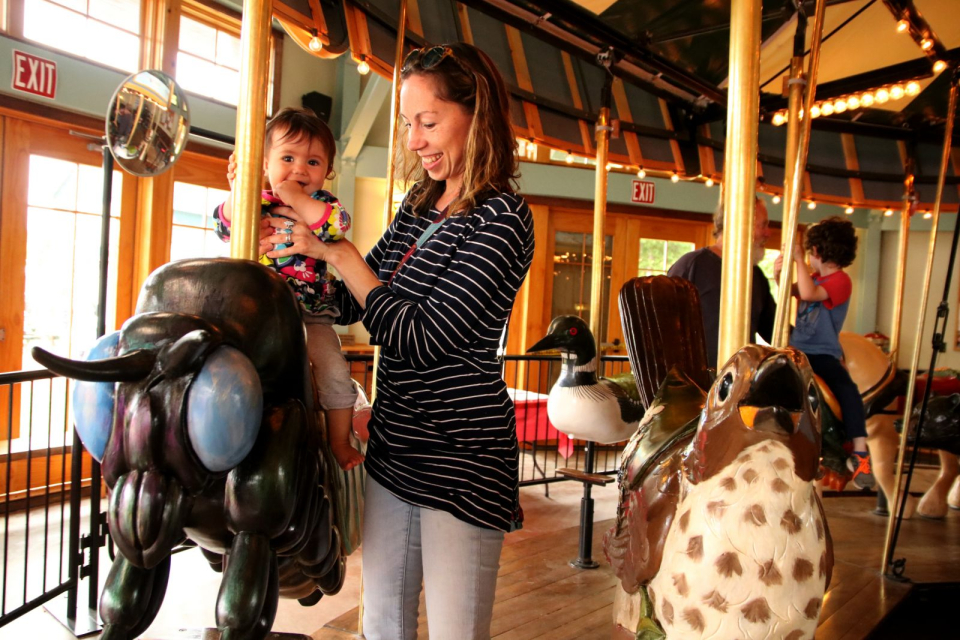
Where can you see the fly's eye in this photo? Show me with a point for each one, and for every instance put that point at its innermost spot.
(813, 397)
(573, 331)
(726, 384)
(94, 402)
(224, 409)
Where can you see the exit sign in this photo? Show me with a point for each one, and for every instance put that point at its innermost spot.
(34, 75)
(643, 192)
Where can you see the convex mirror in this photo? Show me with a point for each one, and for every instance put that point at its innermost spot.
(147, 123)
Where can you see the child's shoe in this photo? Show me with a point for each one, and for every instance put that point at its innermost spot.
(863, 477)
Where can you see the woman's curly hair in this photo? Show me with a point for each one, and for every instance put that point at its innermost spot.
(835, 240)
(471, 79)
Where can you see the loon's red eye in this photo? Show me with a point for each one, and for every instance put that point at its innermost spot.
(573, 331)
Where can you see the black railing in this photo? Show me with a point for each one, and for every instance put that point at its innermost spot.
(43, 495)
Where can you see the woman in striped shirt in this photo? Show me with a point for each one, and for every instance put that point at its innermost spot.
(435, 293)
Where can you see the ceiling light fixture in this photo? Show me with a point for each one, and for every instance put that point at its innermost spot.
(641, 173)
(939, 66)
(363, 68)
(926, 44)
(902, 25)
(775, 199)
(315, 44)
(888, 212)
(675, 178)
(848, 210)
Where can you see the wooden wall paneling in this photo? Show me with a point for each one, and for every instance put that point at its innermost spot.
(853, 164)
(620, 272)
(523, 80)
(585, 132)
(13, 255)
(126, 293)
(674, 144)
(623, 110)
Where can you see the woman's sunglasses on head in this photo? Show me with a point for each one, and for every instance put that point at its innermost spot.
(427, 58)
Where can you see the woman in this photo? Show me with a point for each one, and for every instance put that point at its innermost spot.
(435, 293)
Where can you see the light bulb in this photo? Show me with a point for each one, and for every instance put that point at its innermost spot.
(913, 88)
(939, 66)
(848, 210)
(902, 25)
(888, 212)
(811, 205)
(926, 44)
(815, 111)
(641, 173)
(709, 182)
(839, 105)
(315, 43)
(776, 199)
(675, 178)
(853, 102)
(896, 91)
(569, 158)
(866, 99)
(778, 119)
(928, 215)
(363, 68)
(827, 109)
(882, 96)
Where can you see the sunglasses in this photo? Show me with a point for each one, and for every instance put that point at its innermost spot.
(428, 58)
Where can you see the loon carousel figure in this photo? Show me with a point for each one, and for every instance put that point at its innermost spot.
(580, 404)
(720, 532)
(200, 410)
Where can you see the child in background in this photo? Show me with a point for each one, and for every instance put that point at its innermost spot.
(824, 299)
(298, 153)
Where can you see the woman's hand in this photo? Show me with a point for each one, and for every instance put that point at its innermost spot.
(295, 234)
(777, 267)
(231, 169)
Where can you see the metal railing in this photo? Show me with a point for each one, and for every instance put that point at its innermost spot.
(44, 477)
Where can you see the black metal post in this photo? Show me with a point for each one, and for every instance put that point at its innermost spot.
(585, 559)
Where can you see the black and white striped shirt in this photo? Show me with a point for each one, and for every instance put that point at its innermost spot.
(443, 431)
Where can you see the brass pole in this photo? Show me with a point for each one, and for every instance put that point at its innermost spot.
(911, 381)
(740, 176)
(251, 124)
(599, 214)
(901, 269)
(793, 179)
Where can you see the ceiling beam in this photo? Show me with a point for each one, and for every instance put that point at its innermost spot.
(369, 105)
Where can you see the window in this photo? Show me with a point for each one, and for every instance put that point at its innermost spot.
(766, 265)
(105, 31)
(193, 235)
(208, 62)
(657, 256)
(572, 276)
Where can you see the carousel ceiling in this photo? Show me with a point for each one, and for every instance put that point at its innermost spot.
(670, 68)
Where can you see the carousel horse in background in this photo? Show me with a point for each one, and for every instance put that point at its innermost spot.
(200, 410)
(941, 430)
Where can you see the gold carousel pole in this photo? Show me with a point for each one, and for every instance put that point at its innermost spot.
(599, 215)
(740, 176)
(911, 381)
(388, 205)
(798, 144)
(901, 269)
(251, 124)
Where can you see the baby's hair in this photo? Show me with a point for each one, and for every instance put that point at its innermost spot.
(295, 124)
(835, 240)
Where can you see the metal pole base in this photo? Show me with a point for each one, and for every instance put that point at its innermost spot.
(86, 623)
(584, 563)
(214, 634)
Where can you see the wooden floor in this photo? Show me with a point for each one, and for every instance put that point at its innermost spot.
(539, 595)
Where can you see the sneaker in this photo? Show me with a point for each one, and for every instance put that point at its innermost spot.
(862, 473)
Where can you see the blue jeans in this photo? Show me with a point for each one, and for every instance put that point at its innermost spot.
(458, 570)
(835, 375)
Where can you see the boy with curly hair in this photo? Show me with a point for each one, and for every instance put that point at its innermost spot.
(824, 299)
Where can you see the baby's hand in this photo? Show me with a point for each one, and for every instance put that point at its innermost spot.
(231, 170)
(288, 190)
(347, 457)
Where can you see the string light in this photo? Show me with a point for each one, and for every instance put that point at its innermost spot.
(853, 102)
(815, 111)
(927, 215)
(882, 95)
(675, 178)
(888, 212)
(939, 66)
(896, 91)
(641, 173)
(811, 205)
(363, 68)
(826, 108)
(776, 199)
(926, 44)
(709, 182)
(848, 210)
(315, 44)
(913, 88)
(902, 25)
(839, 105)
(779, 118)
(866, 99)
(569, 157)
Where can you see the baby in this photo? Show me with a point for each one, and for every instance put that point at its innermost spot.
(298, 153)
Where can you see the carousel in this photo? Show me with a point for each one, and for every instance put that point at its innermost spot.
(730, 512)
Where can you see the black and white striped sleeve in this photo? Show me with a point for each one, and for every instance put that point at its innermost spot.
(478, 286)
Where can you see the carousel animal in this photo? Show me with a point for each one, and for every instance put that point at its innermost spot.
(941, 430)
(581, 405)
(719, 531)
(200, 411)
(719, 520)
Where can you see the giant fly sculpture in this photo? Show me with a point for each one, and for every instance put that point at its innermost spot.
(201, 411)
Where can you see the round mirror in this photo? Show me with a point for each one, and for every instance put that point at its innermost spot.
(147, 123)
